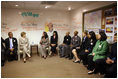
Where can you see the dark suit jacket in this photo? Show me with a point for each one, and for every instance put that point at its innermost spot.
(54, 41)
(113, 53)
(91, 44)
(67, 40)
(7, 43)
(85, 43)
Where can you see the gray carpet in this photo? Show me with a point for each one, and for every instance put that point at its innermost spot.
(53, 67)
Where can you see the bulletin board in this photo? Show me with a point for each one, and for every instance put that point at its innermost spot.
(92, 21)
(102, 19)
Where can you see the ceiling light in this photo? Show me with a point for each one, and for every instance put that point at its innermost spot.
(16, 5)
(84, 10)
(47, 6)
(69, 8)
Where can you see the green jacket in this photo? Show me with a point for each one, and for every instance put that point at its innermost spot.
(100, 52)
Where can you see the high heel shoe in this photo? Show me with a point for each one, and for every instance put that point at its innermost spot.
(76, 61)
(44, 57)
(24, 60)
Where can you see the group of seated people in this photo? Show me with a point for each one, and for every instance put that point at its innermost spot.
(91, 51)
(10, 46)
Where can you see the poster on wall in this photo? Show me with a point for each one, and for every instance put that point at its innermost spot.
(109, 21)
(92, 21)
(115, 26)
(111, 28)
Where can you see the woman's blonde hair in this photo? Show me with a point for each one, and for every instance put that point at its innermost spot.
(22, 33)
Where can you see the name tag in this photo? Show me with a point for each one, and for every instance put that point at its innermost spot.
(14, 40)
(91, 43)
(99, 46)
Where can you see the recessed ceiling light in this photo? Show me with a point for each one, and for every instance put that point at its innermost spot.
(84, 10)
(16, 5)
(69, 8)
(47, 6)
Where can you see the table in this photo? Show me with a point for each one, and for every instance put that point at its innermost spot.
(34, 48)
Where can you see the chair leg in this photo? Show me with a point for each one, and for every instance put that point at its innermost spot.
(18, 56)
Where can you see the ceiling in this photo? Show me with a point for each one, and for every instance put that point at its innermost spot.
(54, 5)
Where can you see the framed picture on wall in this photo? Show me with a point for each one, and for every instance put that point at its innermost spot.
(109, 29)
(109, 21)
(108, 12)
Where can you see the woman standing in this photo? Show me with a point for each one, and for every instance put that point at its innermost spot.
(24, 46)
(53, 43)
(44, 44)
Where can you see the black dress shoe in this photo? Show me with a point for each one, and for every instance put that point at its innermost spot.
(76, 61)
(66, 56)
(24, 61)
(62, 56)
(2, 64)
(70, 58)
(10, 60)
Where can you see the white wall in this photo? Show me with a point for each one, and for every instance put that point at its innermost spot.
(12, 19)
(73, 19)
(76, 15)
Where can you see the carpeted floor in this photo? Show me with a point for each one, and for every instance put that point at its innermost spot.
(53, 67)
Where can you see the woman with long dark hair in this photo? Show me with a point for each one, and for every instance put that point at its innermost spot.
(44, 44)
(89, 48)
(54, 43)
(99, 51)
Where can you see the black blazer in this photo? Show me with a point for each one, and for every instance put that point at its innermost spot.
(85, 43)
(91, 44)
(54, 41)
(15, 44)
(113, 53)
(67, 40)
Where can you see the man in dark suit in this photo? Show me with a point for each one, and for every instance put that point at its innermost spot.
(11, 47)
(108, 65)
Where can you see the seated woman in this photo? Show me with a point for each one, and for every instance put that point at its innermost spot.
(99, 51)
(81, 48)
(24, 46)
(89, 48)
(44, 43)
(53, 43)
(108, 65)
